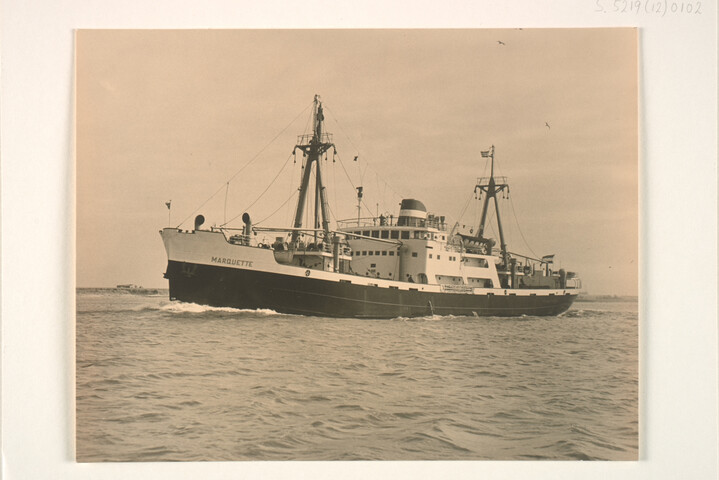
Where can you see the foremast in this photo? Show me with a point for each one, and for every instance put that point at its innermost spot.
(313, 146)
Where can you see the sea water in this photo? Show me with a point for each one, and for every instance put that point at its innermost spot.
(166, 381)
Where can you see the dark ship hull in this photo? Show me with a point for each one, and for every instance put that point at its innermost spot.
(252, 289)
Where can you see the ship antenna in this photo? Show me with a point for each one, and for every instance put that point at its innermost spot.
(359, 204)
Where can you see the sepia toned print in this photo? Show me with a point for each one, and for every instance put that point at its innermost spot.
(346, 273)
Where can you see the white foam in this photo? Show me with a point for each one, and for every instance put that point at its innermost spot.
(183, 307)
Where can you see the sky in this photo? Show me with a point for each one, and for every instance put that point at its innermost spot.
(175, 115)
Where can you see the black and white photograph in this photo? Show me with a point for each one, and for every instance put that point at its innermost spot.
(406, 240)
(357, 245)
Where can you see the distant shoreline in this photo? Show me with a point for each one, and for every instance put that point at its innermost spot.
(152, 291)
(129, 291)
(607, 298)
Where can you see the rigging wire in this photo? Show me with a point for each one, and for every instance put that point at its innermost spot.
(278, 208)
(292, 189)
(263, 192)
(491, 224)
(245, 166)
(334, 117)
(464, 209)
(511, 203)
(367, 164)
(306, 131)
(484, 170)
(332, 214)
(227, 190)
(469, 200)
(334, 176)
(514, 213)
(339, 157)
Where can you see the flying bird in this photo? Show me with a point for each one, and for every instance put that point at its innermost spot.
(500, 42)
(356, 157)
(547, 124)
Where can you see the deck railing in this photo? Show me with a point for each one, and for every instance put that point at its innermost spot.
(391, 221)
(305, 139)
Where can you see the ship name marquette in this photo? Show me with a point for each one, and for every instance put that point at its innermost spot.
(231, 261)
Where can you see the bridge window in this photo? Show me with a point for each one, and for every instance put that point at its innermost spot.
(385, 234)
(384, 253)
(391, 253)
(394, 234)
(405, 234)
(375, 233)
(365, 233)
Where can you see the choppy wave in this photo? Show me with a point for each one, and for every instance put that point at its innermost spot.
(587, 313)
(156, 382)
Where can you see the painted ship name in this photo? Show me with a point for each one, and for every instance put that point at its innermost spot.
(231, 261)
(457, 288)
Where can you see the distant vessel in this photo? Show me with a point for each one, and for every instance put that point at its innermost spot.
(380, 267)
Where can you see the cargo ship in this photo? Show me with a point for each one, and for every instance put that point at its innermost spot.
(385, 266)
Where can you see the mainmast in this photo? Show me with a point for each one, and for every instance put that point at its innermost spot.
(490, 187)
(313, 146)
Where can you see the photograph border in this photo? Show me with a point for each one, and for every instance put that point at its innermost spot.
(678, 355)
